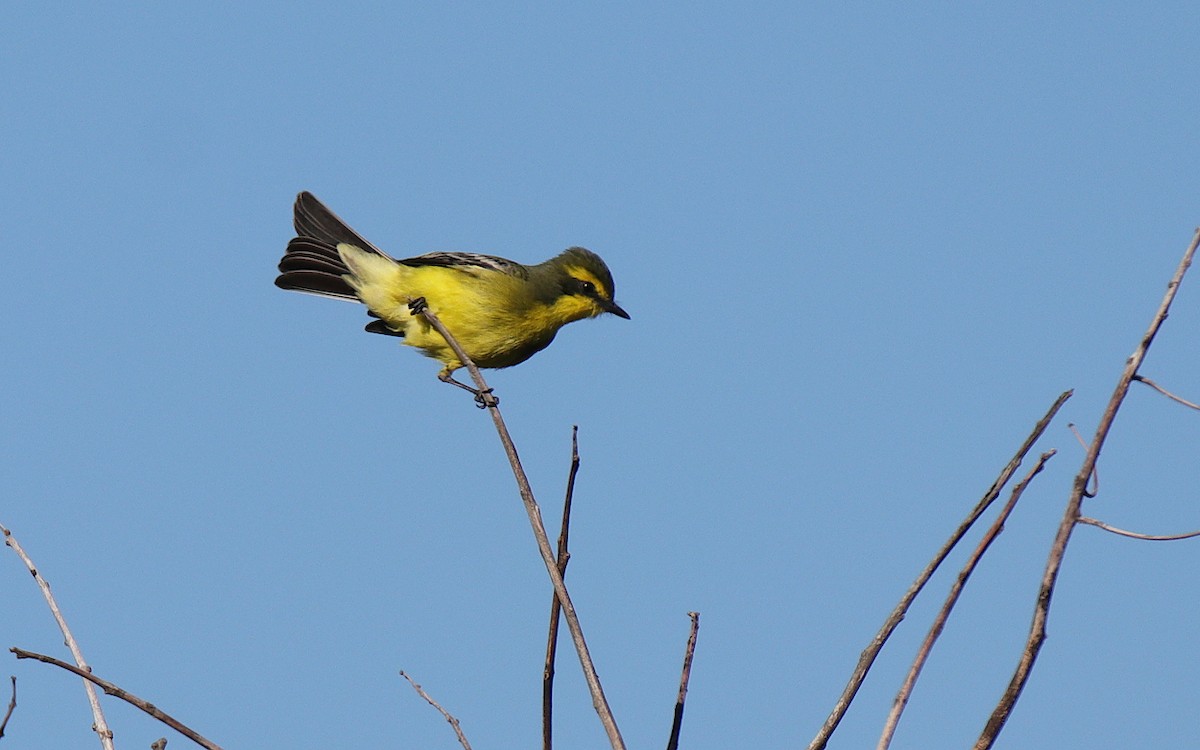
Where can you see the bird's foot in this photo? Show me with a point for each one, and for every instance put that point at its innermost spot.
(483, 399)
(417, 306)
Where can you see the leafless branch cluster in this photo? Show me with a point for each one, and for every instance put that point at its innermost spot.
(556, 565)
(117, 692)
(99, 725)
(1084, 486)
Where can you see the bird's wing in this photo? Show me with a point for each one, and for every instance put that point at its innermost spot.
(313, 219)
(470, 262)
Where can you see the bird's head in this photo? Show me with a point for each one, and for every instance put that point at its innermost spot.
(584, 285)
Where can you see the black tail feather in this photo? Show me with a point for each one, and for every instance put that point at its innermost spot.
(378, 326)
(303, 254)
(314, 220)
(315, 282)
(311, 266)
(311, 262)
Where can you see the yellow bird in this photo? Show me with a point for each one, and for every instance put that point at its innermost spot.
(501, 312)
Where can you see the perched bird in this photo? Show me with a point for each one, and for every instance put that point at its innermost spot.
(501, 312)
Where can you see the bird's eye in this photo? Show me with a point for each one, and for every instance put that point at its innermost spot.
(587, 287)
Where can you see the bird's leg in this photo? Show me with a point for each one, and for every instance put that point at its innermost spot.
(483, 399)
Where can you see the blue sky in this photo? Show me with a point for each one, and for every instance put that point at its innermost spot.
(864, 247)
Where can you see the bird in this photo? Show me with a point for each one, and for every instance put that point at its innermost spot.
(501, 312)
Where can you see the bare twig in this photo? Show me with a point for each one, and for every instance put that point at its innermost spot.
(599, 702)
(12, 706)
(1165, 392)
(867, 658)
(677, 722)
(99, 724)
(462, 738)
(889, 729)
(1037, 629)
(1095, 480)
(159, 744)
(563, 557)
(124, 695)
(1135, 535)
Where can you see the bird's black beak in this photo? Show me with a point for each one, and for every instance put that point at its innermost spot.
(614, 308)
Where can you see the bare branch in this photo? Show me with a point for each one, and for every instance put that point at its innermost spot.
(12, 706)
(893, 720)
(1165, 392)
(599, 702)
(99, 724)
(677, 722)
(564, 557)
(867, 658)
(1037, 629)
(124, 695)
(1135, 535)
(462, 738)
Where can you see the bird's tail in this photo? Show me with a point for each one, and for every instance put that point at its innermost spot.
(314, 262)
(311, 262)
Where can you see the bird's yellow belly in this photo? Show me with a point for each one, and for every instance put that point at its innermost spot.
(493, 322)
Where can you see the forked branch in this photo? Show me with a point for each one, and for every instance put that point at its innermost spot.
(124, 695)
(599, 702)
(1071, 515)
(99, 724)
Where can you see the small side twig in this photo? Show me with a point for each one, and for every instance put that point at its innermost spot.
(99, 724)
(677, 722)
(1071, 514)
(563, 557)
(462, 738)
(893, 719)
(1165, 392)
(1094, 488)
(867, 658)
(1135, 535)
(12, 706)
(159, 744)
(599, 701)
(124, 695)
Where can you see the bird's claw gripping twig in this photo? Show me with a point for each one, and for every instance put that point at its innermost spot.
(417, 305)
(483, 399)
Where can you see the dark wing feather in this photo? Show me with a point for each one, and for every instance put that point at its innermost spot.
(470, 260)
